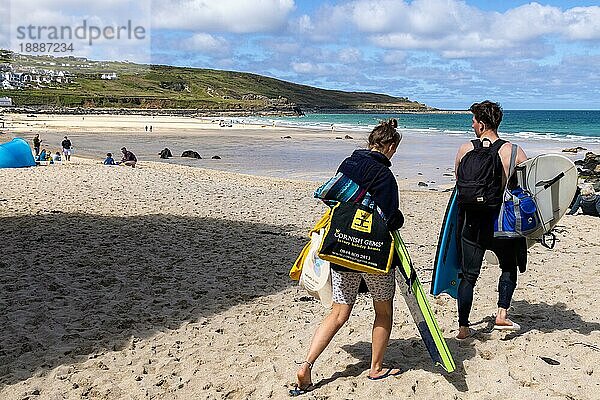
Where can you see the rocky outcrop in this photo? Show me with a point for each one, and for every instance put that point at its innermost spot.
(191, 154)
(589, 169)
(165, 153)
(574, 149)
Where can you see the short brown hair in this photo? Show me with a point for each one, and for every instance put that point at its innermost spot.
(385, 134)
(487, 112)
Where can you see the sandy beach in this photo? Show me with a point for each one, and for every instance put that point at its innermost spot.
(171, 282)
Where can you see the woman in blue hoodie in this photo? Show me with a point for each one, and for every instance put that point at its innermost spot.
(368, 168)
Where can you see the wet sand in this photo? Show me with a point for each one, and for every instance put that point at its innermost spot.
(263, 150)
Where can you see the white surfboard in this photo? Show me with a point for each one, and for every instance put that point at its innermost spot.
(552, 181)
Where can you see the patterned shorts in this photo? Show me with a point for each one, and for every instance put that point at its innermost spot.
(346, 284)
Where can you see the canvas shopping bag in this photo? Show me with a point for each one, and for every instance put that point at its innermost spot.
(316, 272)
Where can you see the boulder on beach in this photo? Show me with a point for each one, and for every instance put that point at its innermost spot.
(165, 153)
(216, 157)
(191, 154)
(588, 169)
(574, 149)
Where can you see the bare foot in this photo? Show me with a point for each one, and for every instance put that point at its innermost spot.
(503, 322)
(465, 332)
(303, 375)
(506, 324)
(383, 373)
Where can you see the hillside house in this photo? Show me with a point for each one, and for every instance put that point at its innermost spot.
(6, 102)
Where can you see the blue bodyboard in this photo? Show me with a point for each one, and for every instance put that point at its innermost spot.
(447, 257)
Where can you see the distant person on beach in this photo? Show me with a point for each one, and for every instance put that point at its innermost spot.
(146, 128)
(43, 156)
(587, 200)
(36, 144)
(150, 128)
(109, 160)
(67, 148)
(129, 158)
(56, 157)
(476, 221)
(368, 168)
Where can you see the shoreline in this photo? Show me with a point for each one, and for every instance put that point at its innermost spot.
(425, 160)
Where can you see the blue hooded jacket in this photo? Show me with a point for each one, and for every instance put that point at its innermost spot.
(370, 169)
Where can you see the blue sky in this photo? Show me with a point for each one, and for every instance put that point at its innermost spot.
(445, 53)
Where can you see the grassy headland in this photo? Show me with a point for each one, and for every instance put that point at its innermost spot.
(85, 84)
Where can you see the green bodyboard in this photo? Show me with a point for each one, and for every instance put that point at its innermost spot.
(420, 309)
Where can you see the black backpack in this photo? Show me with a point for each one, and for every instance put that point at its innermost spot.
(479, 176)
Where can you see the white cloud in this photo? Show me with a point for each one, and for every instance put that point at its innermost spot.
(394, 57)
(204, 42)
(44, 16)
(454, 29)
(349, 56)
(583, 23)
(237, 16)
(309, 68)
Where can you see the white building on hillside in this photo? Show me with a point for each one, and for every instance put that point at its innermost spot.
(6, 102)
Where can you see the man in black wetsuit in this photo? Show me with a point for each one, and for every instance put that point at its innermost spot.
(477, 223)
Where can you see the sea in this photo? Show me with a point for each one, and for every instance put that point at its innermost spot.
(560, 125)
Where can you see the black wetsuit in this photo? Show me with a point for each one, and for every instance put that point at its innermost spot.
(477, 235)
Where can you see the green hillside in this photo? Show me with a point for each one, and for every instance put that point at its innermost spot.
(159, 86)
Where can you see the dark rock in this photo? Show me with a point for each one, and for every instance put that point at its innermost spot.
(348, 137)
(165, 153)
(191, 154)
(589, 169)
(550, 361)
(339, 137)
(590, 161)
(286, 137)
(423, 184)
(216, 157)
(574, 149)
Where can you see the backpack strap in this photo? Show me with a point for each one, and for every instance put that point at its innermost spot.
(513, 158)
(495, 147)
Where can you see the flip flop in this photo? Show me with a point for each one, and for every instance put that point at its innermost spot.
(514, 327)
(385, 375)
(297, 391)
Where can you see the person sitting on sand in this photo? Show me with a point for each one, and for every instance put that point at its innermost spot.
(109, 160)
(588, 200)
(368, 168)
(129, 158)
(43, 155)
(56, 157)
